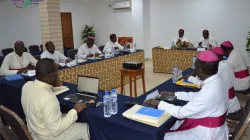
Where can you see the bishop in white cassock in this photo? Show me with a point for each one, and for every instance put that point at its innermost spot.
(17, 61)
(227, 75)
(112, 44)
(239, 66)
(181, 37)
(42, 109)
(51, 53)
(205, 113)
(207, 41)
(88, 49)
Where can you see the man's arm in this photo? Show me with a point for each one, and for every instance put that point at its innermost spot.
(62, 58)
(186, 96)
(119, 46)
(106, 48)
(54, 120)
(5, 68)
(32, 60)
(81, 53)
(97, 50)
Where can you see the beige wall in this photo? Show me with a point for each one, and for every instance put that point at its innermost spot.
(50, 19)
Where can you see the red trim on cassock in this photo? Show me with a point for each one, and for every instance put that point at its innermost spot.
(241, 74)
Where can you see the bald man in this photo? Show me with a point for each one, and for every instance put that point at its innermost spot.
(45, 120)
(205, 113)
(18, 61)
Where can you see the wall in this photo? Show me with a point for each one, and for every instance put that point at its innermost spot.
(19, 24)
(81, 15)
(225, 19)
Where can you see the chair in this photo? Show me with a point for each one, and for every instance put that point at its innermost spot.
(7, 51)
(3, 135)
(133, 75)
(34, 48)
(41, 47)
(15, 123)
(241, 127)
(38, 57)
(72, 53)
(244, 96)
(101, 48)
(25, 49)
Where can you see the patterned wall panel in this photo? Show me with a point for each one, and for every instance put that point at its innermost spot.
(108, 71)
(164, 60)
(51, 22)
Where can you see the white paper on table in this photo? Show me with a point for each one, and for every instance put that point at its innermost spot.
(81, 60)
(71, 64)
(152, 95)
(62, 64)
(29, 73)
(200, 49)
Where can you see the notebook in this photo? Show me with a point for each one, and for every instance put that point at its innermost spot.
(147, 111)
(59, 90)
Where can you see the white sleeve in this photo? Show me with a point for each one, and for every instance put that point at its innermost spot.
(5, 68)
(186, 96)
(105, 48)
(191, 109)
(43, 55)
(81, 54)
(194, 80)
(62, 58)
(32, 60)
(54, 121)
(175, 40)
(97, 50)
(231, 61)
(119, 46)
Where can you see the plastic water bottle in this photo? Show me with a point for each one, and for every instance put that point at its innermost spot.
(135, 47)
(76, 59)
(114, 103)
(175, 72)
(107, 105)
(193, 61)
(113, 52)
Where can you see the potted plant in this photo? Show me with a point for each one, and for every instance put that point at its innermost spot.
(248, 42)
(182, 45)
(88, 31)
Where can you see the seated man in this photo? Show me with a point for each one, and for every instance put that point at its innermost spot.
(112, 44)
(180, 37)
(205, 113)
(88, 49)
(207, 41)
(51, 53)
(239, 65)
(42, 110)
(18, 61)
(227, 75)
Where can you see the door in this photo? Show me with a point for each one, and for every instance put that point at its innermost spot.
(67, 31)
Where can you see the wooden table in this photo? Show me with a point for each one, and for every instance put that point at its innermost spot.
(164, 60)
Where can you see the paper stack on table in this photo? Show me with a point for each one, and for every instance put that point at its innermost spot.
(59, 90)
(147, 115)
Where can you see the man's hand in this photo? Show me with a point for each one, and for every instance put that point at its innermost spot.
(210, 46)
(24, 70)
(90, 55)
(116, 48)
(79, 107)
(186, 76)
(31, 67)
(168, 93)
(200, 43)
(152, 102)
(97, 54)
(67, 60)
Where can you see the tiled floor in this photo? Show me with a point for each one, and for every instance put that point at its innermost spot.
(153, 80)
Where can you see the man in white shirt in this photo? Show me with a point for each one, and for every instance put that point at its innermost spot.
(227, 75)
(18, 61)
(88, 49)
(207, 41)
(112, 44)
(180, 37)
(42, 109)
(238, 63)
(205, 113)
(51, 53)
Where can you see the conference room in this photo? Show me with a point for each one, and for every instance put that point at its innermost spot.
(124, 69)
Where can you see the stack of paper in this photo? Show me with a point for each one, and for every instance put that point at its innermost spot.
(59, 90)
(147, 115)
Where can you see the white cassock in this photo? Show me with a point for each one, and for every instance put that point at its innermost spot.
(13, 62)
(108, 47)
(205, 112)
(57, 56)
(178, 38)
(44, 118)
(207, 42)
(239, 65)
(84, 51)
(227, 75)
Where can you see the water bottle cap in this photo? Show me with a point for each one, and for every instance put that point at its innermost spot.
(106, 93)
(113, 90)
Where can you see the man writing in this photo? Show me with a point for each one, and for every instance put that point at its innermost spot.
(89, 49)
(207, 41)
(112, 44)
(239, 66)
(180, 37)
(41, 107)
(205, 113)
(227, 75)
(51, 53)
(18, 61)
